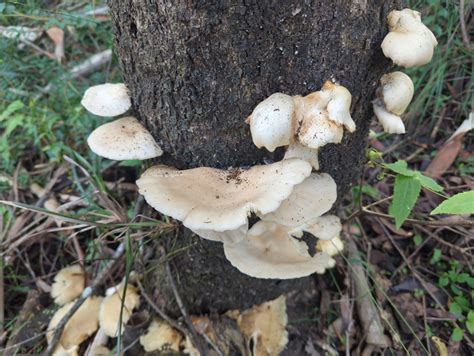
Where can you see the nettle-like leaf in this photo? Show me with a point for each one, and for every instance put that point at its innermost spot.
(405, 194)
(408, 184)
(461, 203)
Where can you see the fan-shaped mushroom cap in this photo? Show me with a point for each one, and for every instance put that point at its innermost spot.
(269, 251)
(272, 122)
(123, 139)
(297, 150)
(109, 313)
(107, 99)
(265, 324)
(331, 247)
(228, 236)
(391, 123)
(397, 91)
(212, 199)
(317, 130)
(324, 227)
(309, 199)
(68, 284)
(82, 324)
(409, 43)
(339, 104)
(161, 336)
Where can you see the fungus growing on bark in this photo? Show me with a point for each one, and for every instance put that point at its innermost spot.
(230, 236)
(68, 284)
(219, 200)
(331, 247)
(107, 99)
(265, 325)
(123, 139)
(309, 199)
(297, 150)
(269, 250)
(409, 43)
(339, 104)
(324, 227)
(394, 95)
(82, 324)
(272, 122)
(160, 336)
(109, 313)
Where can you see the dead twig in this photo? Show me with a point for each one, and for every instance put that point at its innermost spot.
(368, 314)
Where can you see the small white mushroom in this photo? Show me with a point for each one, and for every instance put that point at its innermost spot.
(123, 139)
(273, 122)
(270, 251)
(297, 150)
(317, 130)
(82, 324)
(339, 105)
(309, 200)
(396, 91)
(113, 303)
(160, 336)
(391, 123)
(409, 43)
(331, 247)
(213, 199)
(107, 99)
(265, 324)
(68, 284)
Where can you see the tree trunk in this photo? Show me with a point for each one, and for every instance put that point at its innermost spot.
(195, 71)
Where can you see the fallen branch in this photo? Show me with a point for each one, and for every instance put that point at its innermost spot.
(368, 314)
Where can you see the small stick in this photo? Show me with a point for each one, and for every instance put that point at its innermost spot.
(182, 308)
(368, 314)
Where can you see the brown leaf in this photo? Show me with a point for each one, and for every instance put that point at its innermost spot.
(57, 36)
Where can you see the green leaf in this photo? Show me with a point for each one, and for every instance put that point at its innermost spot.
(436, 256)
(418, 240)
(462, 301)
(405, 194)
(400, 167)
(443, 280)
(470, 322)
(14, 106)
(428, 182)
(457, 334)
(461, 203)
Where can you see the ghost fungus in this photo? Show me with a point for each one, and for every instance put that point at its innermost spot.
(409, 43)
(107, 99)
(123, 139)
(219, 200)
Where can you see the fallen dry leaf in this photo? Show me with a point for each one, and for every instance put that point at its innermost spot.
(57, 36)
(450, 150)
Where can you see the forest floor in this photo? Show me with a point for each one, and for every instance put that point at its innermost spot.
(61, 204)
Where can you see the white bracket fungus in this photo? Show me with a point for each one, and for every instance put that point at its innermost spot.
(395, 93)
(123, 139)
(107, 99)
(302, 123)
(331, 247)
(409, 43)
(270, 251)
(297, 150)
(213, 199)
(272, 122)
(309, 199)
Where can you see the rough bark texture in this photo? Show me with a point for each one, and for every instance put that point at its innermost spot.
(196, 70)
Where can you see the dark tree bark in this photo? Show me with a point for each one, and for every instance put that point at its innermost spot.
(196, 69)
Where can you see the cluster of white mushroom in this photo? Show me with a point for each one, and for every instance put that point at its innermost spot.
(286, 196)
(216, 204)
(96, 313)
(409, 43)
